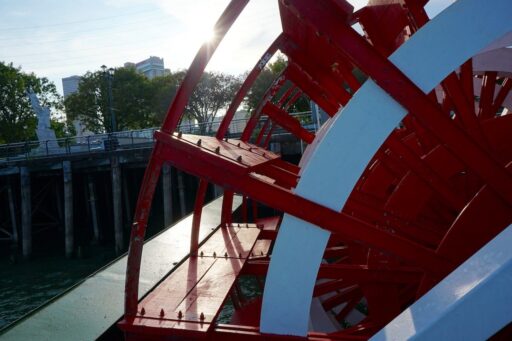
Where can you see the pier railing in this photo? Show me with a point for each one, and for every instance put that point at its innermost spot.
(130, 139)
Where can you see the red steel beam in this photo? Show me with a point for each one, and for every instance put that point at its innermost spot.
(428, 175)
(199, 63)
(246, 86)
(487, 95)
(405, 92)
(351, 273)
(465, 109)
(196, 219)
(269, 94)
(280, 103)
(295, 74)
(323, 76)
(152, 173)
(506, 86)
(230, 175)
(288, 122)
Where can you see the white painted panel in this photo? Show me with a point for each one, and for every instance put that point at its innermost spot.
(298, 251)
(497, 60)
(472, 303)
(335, 162)
(348, 145)
(504, 41)
(452, 37)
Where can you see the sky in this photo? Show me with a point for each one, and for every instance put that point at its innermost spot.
(56, 39)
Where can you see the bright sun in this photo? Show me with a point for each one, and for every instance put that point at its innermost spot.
(200, 35)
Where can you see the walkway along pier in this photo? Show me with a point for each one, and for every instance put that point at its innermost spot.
(85, 191)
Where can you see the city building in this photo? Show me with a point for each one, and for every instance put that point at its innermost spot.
(70, 85)
(151, 67)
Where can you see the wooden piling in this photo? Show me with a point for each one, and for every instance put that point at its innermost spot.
(128, 213)
(93, 209)
(68, 209)
(116, 199)
(167, 194)
(181, 192)
(60, 209)
(26, 213)
(12, 212)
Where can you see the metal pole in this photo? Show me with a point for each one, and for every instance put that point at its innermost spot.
(111, 111)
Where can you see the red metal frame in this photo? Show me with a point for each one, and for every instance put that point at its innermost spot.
(436, 191)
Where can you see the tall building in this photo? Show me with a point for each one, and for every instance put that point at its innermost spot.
(151, 67)
(70, 85)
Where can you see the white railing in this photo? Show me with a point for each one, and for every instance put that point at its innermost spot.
(127, 139)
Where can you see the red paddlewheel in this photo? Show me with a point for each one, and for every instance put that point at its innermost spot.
(408, 178)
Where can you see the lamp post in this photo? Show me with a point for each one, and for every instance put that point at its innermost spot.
(108, 74)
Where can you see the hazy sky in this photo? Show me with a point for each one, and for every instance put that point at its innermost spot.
(56, 38)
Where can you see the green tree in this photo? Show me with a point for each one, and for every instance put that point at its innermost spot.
(213, 93)
(17, 119)
(163, 90)
(265, 80)
(131, 101)
(141, 103)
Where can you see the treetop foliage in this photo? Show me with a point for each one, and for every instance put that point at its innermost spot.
(17, 119)
(137, 102)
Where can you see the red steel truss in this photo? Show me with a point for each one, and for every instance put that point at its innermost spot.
(437, 190)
